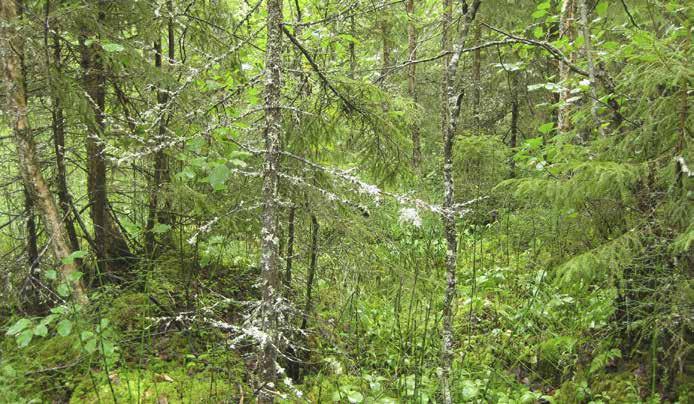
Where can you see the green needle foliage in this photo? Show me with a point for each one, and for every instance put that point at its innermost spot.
(239, 201)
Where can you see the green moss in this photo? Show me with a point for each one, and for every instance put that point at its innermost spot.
(46, 371)
(130, 311)
(57, 351)
(618, 387)
(621, 386)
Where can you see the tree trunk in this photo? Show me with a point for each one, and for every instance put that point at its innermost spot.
(453, 101)
(587, 46)
(565, 18)
(476, 69)
(412, 80)
(32, 248)
(26, 149)
(352, 50)
(309, 280)
(58, 129)
(290, 249)
(161, 161)
(513, 142)
(269, 264)
(311, 271)
(112, 249)
(445, 47)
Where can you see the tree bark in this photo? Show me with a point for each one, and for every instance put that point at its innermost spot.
(311, 271)
(308, 305)
(112, 249)
(32, 248)
(290, 249)
(269, 264)
(513, 142)
(161, 161)
(452, 109)
(58, 129)
(476, 70)
(412, 80)
(26, 149)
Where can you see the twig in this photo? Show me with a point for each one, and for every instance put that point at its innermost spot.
(309, 58)
(631, 17)
(542, 44)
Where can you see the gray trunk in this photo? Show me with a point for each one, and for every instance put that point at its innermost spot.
(269, 263)
(452, 110)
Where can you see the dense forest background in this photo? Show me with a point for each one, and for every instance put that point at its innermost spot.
(346, 201)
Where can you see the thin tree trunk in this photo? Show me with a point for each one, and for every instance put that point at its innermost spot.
(58, 129)
(513, 142)
(112, 249)
(352, 50)
(161, 161)
(293, 362)
(26, 149)
(445, 47)
(453, 101)
(412, 80)
(290, 249)
(476, 83)
(269, 264)
(310, 278)
(32, 248)
(311, 271)
(565, 18)
(587, 46)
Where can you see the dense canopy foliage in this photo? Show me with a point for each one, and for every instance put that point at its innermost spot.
(346, 201)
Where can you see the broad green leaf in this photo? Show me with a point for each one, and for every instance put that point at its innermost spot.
(64, 327)
(601, 8)
(74, 276)
(108, 347)
(19, 326)
(63, 290)
(73, 256)
(24, 338)
(51, 274)
(538, 32)
(59, 310)
(41, 330)
(48, 319)
(355, 396)
(90, 345)
(218, 176)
